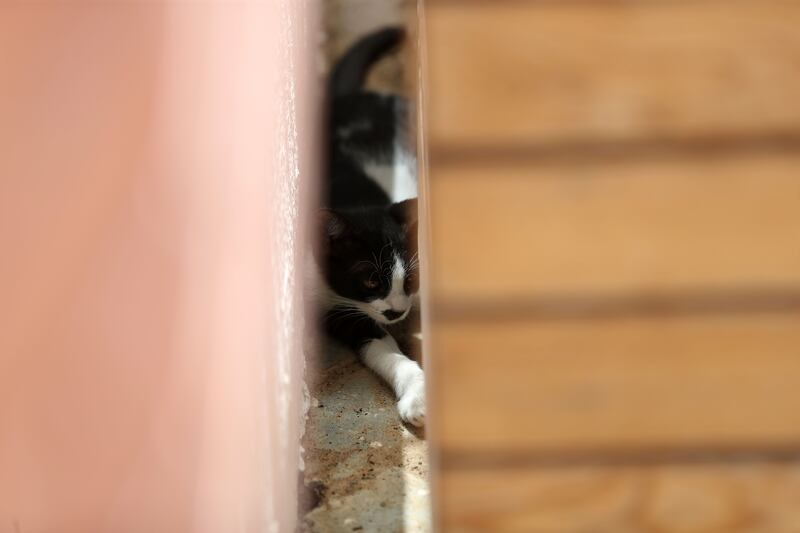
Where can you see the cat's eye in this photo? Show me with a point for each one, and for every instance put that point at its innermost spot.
(370, 283)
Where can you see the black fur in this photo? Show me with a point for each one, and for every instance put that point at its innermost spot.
(360, 228)
(350, 71)
(362, 125)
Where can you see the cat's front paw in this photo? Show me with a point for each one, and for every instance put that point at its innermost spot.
(411, 405)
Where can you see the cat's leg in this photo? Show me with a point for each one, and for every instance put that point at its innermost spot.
(380, 352)
(405, 376)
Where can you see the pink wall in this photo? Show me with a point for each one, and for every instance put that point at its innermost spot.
(151, 156)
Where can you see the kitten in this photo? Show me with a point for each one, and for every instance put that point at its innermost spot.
(368, 227)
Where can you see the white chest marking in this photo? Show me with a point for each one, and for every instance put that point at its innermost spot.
(399, 178)
(397, 298)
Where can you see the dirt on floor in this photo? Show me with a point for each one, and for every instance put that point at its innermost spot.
(367, 469)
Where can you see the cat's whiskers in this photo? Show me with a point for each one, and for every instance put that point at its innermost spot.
(334, 317)
(355, 265)
(375, 262)
(380, 257)
(414, 261)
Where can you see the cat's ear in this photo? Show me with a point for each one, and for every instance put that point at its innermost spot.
(405, 212)
(332, 225)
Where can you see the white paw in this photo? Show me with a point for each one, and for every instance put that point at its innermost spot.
(411, 405)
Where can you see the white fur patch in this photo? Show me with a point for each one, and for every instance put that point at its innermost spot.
(399, 178)
(397, 298)
(405, 376)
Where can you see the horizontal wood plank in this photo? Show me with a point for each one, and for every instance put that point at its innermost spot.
(522, 73)
(611, 386)
(710, 498)
(511, 232)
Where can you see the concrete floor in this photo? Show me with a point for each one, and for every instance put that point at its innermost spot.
(368, 469)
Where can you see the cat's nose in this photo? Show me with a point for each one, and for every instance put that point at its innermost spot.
(392, 315)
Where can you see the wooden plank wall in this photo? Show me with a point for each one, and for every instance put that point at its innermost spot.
(614, 194)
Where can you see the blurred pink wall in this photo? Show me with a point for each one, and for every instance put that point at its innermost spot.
(153, 158)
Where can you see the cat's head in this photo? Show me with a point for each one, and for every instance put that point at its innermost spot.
(369, 259)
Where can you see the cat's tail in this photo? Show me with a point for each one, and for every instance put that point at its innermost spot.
(350, 71)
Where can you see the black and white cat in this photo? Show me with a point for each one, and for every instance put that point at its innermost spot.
(367, 253)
